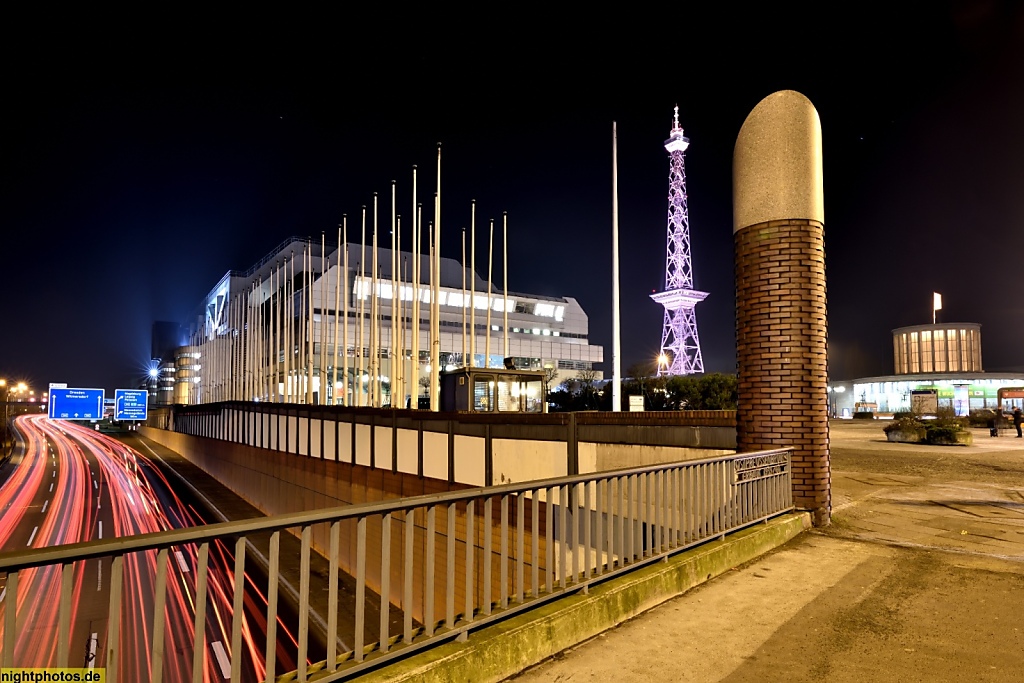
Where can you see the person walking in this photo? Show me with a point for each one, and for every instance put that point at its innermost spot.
(993, 424)
(1018, 418)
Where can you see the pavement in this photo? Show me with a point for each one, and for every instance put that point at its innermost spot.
(920, 577)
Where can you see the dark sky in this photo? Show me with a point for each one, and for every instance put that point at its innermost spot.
(145, 156)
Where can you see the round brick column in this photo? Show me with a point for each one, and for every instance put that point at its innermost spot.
(781, 333)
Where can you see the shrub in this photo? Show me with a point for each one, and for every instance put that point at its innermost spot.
(950, 420)
(903, 424)
(941, 434)
(981, 418)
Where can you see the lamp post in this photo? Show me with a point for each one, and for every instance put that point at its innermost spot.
(7, 391)
(19, 388)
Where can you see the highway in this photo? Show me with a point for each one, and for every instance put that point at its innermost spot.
(74, 484)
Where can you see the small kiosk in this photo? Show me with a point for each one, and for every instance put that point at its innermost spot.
(493, 390)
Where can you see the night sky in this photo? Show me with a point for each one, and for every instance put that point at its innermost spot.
(139, 165)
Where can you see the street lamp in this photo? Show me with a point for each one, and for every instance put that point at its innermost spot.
(3, 385)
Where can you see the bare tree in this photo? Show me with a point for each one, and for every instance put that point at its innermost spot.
(550, 374)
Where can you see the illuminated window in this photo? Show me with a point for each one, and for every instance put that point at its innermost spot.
(483, 392)
(940, 350)
(914, 351)
(926, 351)
(508, 395)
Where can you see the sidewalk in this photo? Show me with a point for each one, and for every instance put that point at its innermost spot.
(920, 578)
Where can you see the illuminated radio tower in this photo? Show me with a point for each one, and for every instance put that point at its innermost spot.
(680, 347)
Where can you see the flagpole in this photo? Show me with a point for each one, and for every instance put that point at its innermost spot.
(504, 272)
(398, 361)
(360, 337)
(337, 305)
(344, 341)
(414, 350)
(393, 342)
(309, 328)
(490, 269)
(322, 393)
(472, 285)
(435, 342)
(464, 340)
(374, 310)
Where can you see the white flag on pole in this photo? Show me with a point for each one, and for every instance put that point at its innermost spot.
(936, 301)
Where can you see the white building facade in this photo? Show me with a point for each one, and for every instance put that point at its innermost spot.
(310, 324)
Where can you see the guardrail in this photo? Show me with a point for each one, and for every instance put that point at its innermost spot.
(453, 562)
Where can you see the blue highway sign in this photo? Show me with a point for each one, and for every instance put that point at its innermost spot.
(130, 404)
(76, 404)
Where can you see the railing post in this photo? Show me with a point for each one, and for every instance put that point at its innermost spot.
(572, 446)
(451, 451)
(488, 456)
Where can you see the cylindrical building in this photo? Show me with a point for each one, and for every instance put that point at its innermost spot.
(945, 347)
(186, 375)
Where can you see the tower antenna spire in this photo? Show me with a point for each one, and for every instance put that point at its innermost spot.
(680, 346)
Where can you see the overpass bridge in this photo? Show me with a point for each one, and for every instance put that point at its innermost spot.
(517, 515)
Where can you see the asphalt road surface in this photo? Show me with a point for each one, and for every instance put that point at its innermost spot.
(68, 484)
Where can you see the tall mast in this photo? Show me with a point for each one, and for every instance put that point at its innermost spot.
(680, 346)
(616, 324)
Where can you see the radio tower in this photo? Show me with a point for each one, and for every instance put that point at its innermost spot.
(680, 347)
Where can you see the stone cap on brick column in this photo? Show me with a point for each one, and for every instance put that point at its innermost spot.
(776, 164)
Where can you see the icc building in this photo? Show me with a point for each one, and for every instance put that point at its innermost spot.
(351, 335)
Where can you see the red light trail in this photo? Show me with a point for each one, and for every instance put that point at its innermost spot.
(74, 484)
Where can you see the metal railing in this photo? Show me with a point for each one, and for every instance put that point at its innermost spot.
(453, 562)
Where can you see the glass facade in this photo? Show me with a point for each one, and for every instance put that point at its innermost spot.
(892, 394)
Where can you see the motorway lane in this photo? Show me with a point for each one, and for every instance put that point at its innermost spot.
(75, 484)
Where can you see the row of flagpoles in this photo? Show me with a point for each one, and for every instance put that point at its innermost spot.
(263, 345)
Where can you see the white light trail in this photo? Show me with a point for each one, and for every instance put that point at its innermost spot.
(222, 658)
(182, 564)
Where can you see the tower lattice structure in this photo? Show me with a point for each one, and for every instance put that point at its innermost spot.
(680, 345)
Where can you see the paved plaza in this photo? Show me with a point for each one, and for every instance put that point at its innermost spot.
(919, 578)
